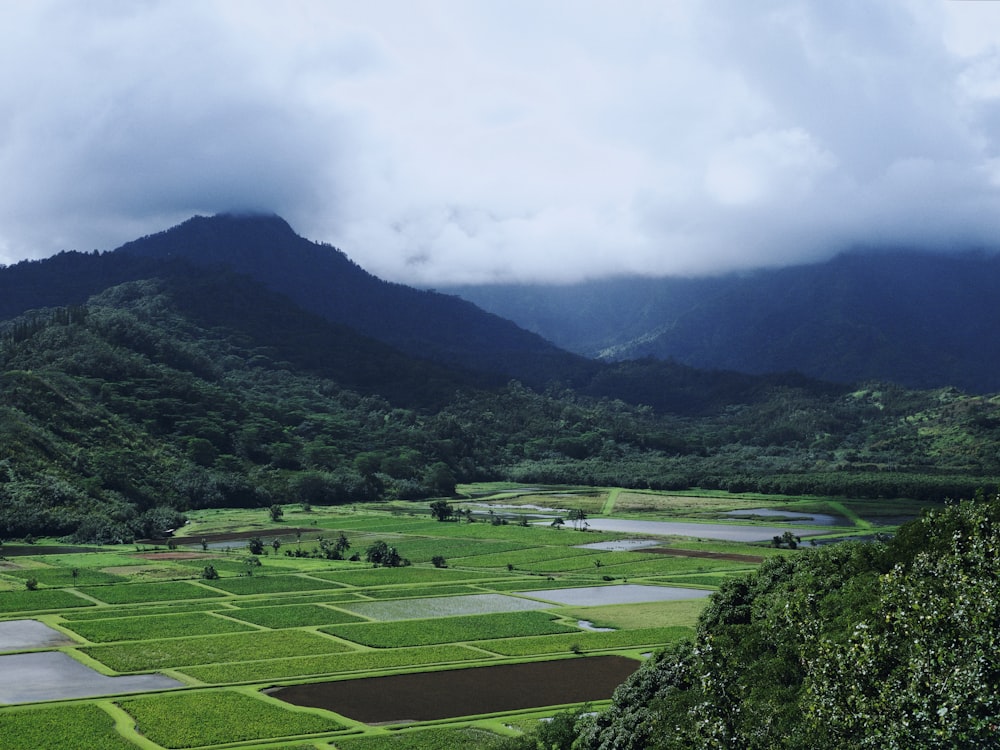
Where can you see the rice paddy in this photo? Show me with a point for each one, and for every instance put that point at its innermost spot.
(145, 640)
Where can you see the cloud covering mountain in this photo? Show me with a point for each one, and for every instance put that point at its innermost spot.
(442, 142)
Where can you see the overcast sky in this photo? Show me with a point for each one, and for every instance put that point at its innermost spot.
(465, 141)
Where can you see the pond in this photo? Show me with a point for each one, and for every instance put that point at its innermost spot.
(815, 519)
(717, 531)
(625, 593)
(53, 675)
(622, 545)
(441, 606)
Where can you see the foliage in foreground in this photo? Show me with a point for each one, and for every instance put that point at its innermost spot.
(856, 645)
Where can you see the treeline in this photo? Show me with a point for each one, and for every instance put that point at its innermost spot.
(159, 397)
(855, 645)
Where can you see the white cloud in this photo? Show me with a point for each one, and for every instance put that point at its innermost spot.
(438, 141)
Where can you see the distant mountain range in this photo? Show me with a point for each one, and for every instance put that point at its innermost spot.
(916, 319)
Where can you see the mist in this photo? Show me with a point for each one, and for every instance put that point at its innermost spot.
(443, 142)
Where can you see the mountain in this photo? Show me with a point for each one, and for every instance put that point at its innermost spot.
(187, 370)
(316, 277)
(323, 280)
(916, 319)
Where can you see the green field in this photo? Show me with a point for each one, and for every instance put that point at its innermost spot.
(136, 611)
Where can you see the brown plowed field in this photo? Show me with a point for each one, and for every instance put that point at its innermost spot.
(706, 555)
(428, 696)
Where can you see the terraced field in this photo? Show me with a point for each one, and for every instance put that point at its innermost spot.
(220, 651)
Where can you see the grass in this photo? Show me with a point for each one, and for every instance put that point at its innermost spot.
(393, 576)
(147, 656)
(136, 593)
(291, 620)
(200, 718)
(587, 641)
(81, 725)
(293, 616)
(449, 629)
(465, 738)
(39, 600)
(640, 616)
(154, 627)
(353, 661)
(269, 584)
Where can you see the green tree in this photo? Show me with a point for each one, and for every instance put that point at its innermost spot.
(441, 510)
(276, 512)
(923, 670)
(255, 545)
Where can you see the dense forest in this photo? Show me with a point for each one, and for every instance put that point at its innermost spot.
(886, 644)
(159, 396)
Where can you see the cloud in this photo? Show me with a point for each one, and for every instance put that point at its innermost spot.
(436, 141)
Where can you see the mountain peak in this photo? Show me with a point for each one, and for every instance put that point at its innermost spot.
(218, 239)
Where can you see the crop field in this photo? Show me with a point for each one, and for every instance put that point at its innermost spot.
(224, 647)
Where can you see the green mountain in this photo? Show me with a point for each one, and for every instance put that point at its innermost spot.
(916, 319)
(137, 385)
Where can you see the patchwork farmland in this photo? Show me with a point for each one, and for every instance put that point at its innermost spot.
(197, 643)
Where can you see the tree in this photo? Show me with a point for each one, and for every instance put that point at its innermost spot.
(438, 561)
(441, 510)
(277, 512)
(578, 517)
(275, 545)
(342, 544)
(209, 573)
(255, 545)
(381, 554)
(929, 652)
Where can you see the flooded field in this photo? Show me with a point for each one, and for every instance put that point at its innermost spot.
(19, 635)
(717, 531)
(441, 606)
(53, 675)
(627, 593)
(815, 519)
(429, 696)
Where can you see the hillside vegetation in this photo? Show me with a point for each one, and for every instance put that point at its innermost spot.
(194, 391)
(917, 319)
(856, 645)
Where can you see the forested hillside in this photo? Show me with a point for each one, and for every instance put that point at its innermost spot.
(200, 390)
(916, 319)
(856, 645)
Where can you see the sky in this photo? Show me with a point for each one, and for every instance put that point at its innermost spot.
(472, 141)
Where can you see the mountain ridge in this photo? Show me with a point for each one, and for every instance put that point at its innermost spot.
(922, 320)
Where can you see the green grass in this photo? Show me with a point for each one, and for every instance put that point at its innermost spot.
(153, 627)
(269, 584)
(194, 719)
(39, 600)
(449, 629)
(67, 727)
(63, 577)
(411, 592)
(639, 616)
(523, 558)
(293, 616)
(394, 576)
(135, 593)
(354, 661)
(466, 738)
(173, 608)
(587, 641)
(146, 656)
